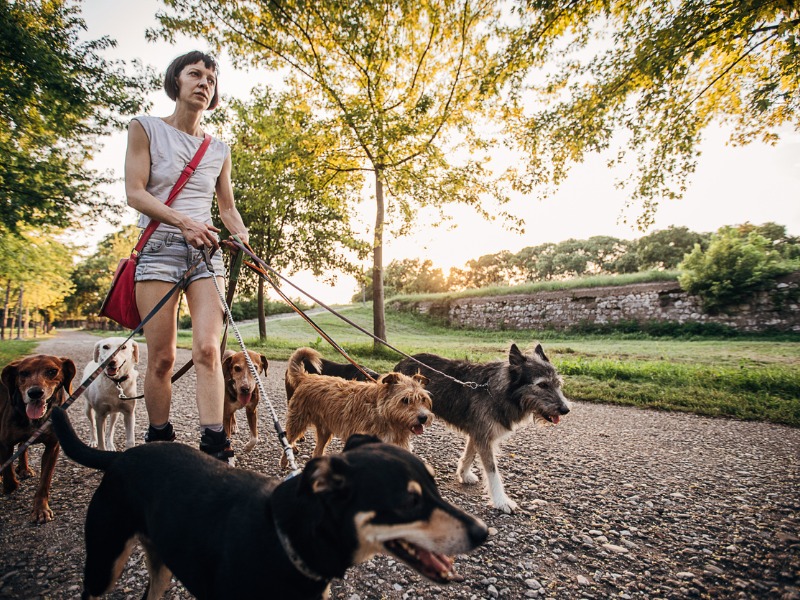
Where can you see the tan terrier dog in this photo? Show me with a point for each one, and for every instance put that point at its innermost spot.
(241, 391)
(392, 409)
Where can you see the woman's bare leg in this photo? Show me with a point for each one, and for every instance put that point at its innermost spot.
(161, 333)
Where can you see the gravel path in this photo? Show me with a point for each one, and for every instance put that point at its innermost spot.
(615, 502)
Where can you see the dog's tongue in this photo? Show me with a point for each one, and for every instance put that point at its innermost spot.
(555, 419)
(34, 411)
(244, 398)
(417, 429)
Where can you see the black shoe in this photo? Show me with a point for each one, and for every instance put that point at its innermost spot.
(166, 434)
(216, 444)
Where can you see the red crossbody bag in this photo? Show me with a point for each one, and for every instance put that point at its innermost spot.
(120, 302)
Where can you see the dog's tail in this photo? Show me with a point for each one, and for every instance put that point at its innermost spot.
(75, 448)
(301, 362)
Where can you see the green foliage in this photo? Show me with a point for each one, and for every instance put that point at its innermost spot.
(92, 276)
(38, 263)
(407, 276)
(666, 248)
(11, 350)
(660, 72)
(247, 309)
(735, 265)
(57, 95)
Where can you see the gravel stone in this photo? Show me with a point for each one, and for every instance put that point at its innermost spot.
(715, 499)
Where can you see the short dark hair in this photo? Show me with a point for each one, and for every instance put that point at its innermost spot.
(177, 65)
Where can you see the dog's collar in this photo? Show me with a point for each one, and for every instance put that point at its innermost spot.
(294, 558)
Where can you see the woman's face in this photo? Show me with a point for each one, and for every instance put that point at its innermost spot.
(197, 84)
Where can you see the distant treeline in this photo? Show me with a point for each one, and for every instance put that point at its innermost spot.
(664, 249)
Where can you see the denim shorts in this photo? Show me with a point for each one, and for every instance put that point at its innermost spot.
(166, 256)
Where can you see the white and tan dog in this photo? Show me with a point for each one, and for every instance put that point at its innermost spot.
(103, 395)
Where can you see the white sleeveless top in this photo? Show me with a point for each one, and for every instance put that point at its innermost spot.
(170, 151)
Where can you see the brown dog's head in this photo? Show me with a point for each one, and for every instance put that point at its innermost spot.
(37, 383)
(239, 381)
(406, 401)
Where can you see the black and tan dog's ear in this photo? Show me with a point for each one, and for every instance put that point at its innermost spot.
(325, 474)
(540, 353)
(390, 379)
(421, 379)
(68, 370)
(9, 377)
(359, 439)
(264, 363)
(515, 357)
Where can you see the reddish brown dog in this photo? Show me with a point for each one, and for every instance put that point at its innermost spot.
(241, 391)
(32, 386)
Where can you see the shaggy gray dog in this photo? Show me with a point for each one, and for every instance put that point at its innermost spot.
(510, 393)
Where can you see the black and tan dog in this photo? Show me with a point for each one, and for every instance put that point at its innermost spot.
(525, 387)
(231, 533)
(31, 387)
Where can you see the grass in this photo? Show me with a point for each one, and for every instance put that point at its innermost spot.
(745, 377)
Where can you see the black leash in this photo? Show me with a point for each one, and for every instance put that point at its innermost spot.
(264, 270)
(101, 367)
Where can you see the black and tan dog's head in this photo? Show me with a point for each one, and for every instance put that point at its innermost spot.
(37, 383)
(535, 385)
(377, 498)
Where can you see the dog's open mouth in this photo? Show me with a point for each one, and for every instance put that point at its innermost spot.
(554, 419)
(244, 397)
(111, 371)
(35, 410)
(417, 429)
(436, 567)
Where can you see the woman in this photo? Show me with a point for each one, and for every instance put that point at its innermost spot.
(158, 150)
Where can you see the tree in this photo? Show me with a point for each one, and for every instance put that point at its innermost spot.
(732, 268)
(403, 81)
(293, 192)
(92, 276)
(40, 265)
(645, 78)
(414, 276)
(666, 248)
(57, 95)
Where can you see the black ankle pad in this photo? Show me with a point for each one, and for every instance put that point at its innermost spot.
(216, 444)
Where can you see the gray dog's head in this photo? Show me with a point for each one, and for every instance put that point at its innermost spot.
(535, 385)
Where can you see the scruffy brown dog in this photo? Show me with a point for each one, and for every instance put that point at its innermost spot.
(392, 409)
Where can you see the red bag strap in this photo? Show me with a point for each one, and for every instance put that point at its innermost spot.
(187, 172)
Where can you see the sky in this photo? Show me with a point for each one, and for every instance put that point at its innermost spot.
(732, 185)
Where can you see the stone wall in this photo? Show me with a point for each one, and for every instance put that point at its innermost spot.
(660, 301)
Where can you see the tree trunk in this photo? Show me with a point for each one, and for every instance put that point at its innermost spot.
(378, 316)
(5, 312)
(262, 319)
(19, 314)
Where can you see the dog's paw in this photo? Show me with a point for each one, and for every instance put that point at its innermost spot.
(92, 444)
(506, 505)
(468, 478)
(111, 446)
(250, 445)
(25, 473)
(42, 514)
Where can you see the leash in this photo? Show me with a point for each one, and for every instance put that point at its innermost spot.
(264, 271)
(101, 367)
(287, 448)
(233, 276)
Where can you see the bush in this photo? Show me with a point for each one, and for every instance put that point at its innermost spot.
(246, 309)
(732, 269)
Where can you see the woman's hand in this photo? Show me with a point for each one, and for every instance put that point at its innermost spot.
(199, 234)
